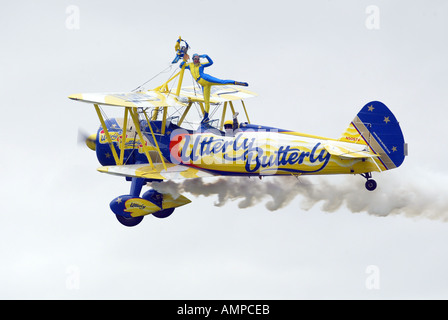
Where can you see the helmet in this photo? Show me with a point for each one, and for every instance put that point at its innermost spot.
(228, 124)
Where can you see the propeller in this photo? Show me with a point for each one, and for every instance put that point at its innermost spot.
(88, 140)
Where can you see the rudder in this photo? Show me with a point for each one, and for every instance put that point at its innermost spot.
(376, 126)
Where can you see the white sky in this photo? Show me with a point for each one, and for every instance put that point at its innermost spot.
(314, 64)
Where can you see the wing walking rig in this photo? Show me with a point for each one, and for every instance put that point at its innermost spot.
(157, 139)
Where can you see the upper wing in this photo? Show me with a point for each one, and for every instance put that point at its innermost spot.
(153, 98)
(218, 94)
(172, 172)
(131, 99)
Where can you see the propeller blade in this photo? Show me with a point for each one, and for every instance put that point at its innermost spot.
(88, 140)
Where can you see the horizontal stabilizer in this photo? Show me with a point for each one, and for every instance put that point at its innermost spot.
(144, 170)
(347, 152)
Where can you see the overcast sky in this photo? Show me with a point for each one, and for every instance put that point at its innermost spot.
(314, 65)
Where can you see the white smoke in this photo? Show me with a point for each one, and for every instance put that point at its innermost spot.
(416, 195)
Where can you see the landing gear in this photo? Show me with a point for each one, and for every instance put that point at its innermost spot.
(370, 183)
(163, 213)
(129, 222)
(130, 209)
(133, 221)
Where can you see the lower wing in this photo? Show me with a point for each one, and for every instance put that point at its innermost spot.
(144, 170)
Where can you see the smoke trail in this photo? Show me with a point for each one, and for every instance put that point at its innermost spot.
(415, 195)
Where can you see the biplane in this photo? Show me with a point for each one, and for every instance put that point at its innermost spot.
(158, 139)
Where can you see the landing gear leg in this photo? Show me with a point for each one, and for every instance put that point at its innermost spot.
(370, 183)
(136, 188)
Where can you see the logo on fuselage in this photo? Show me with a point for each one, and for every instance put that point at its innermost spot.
(252, 153)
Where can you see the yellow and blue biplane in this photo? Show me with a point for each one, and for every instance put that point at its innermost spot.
(155, 141)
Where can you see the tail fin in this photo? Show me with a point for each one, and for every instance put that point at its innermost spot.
(376, 126)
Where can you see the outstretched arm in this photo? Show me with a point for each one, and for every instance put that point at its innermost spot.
(210, 61)
(235, 121)
(182, 63)
(186, 57)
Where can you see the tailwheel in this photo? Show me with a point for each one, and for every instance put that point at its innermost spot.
(129, 222)
(370, 183)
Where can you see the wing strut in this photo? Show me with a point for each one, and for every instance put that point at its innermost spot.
(181, 78)
(124, 134)
(244, 107)
(155, 141)
(106, 131)
(224, 109)
(231, 107)
(137, 127)
(184, 114)
(165, 110)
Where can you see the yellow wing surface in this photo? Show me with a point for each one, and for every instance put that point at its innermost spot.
(172, 172)
(154, 98)
(218, 94)
(130, 99)
(349, 151)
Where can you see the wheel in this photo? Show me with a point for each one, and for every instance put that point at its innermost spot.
(163, 213)
(370, 184)
(129, 222)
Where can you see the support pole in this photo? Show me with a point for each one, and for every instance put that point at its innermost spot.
(224, 109)
(123, 134)
(181, 78)
(244, 107)
(164, 87)
(165, 111)
(140, 135)
(155, 141)
(231, 107)
(185, 114)
(155, 114)
(106, 131)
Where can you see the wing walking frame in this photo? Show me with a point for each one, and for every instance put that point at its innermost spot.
(160, 100)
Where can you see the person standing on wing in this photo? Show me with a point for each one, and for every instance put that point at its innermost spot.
(206, 81)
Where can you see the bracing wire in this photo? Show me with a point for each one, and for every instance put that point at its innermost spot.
(163, 71)
(172, 85)
(105, 116)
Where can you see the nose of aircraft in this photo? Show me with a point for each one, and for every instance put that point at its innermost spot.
(91, 142)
